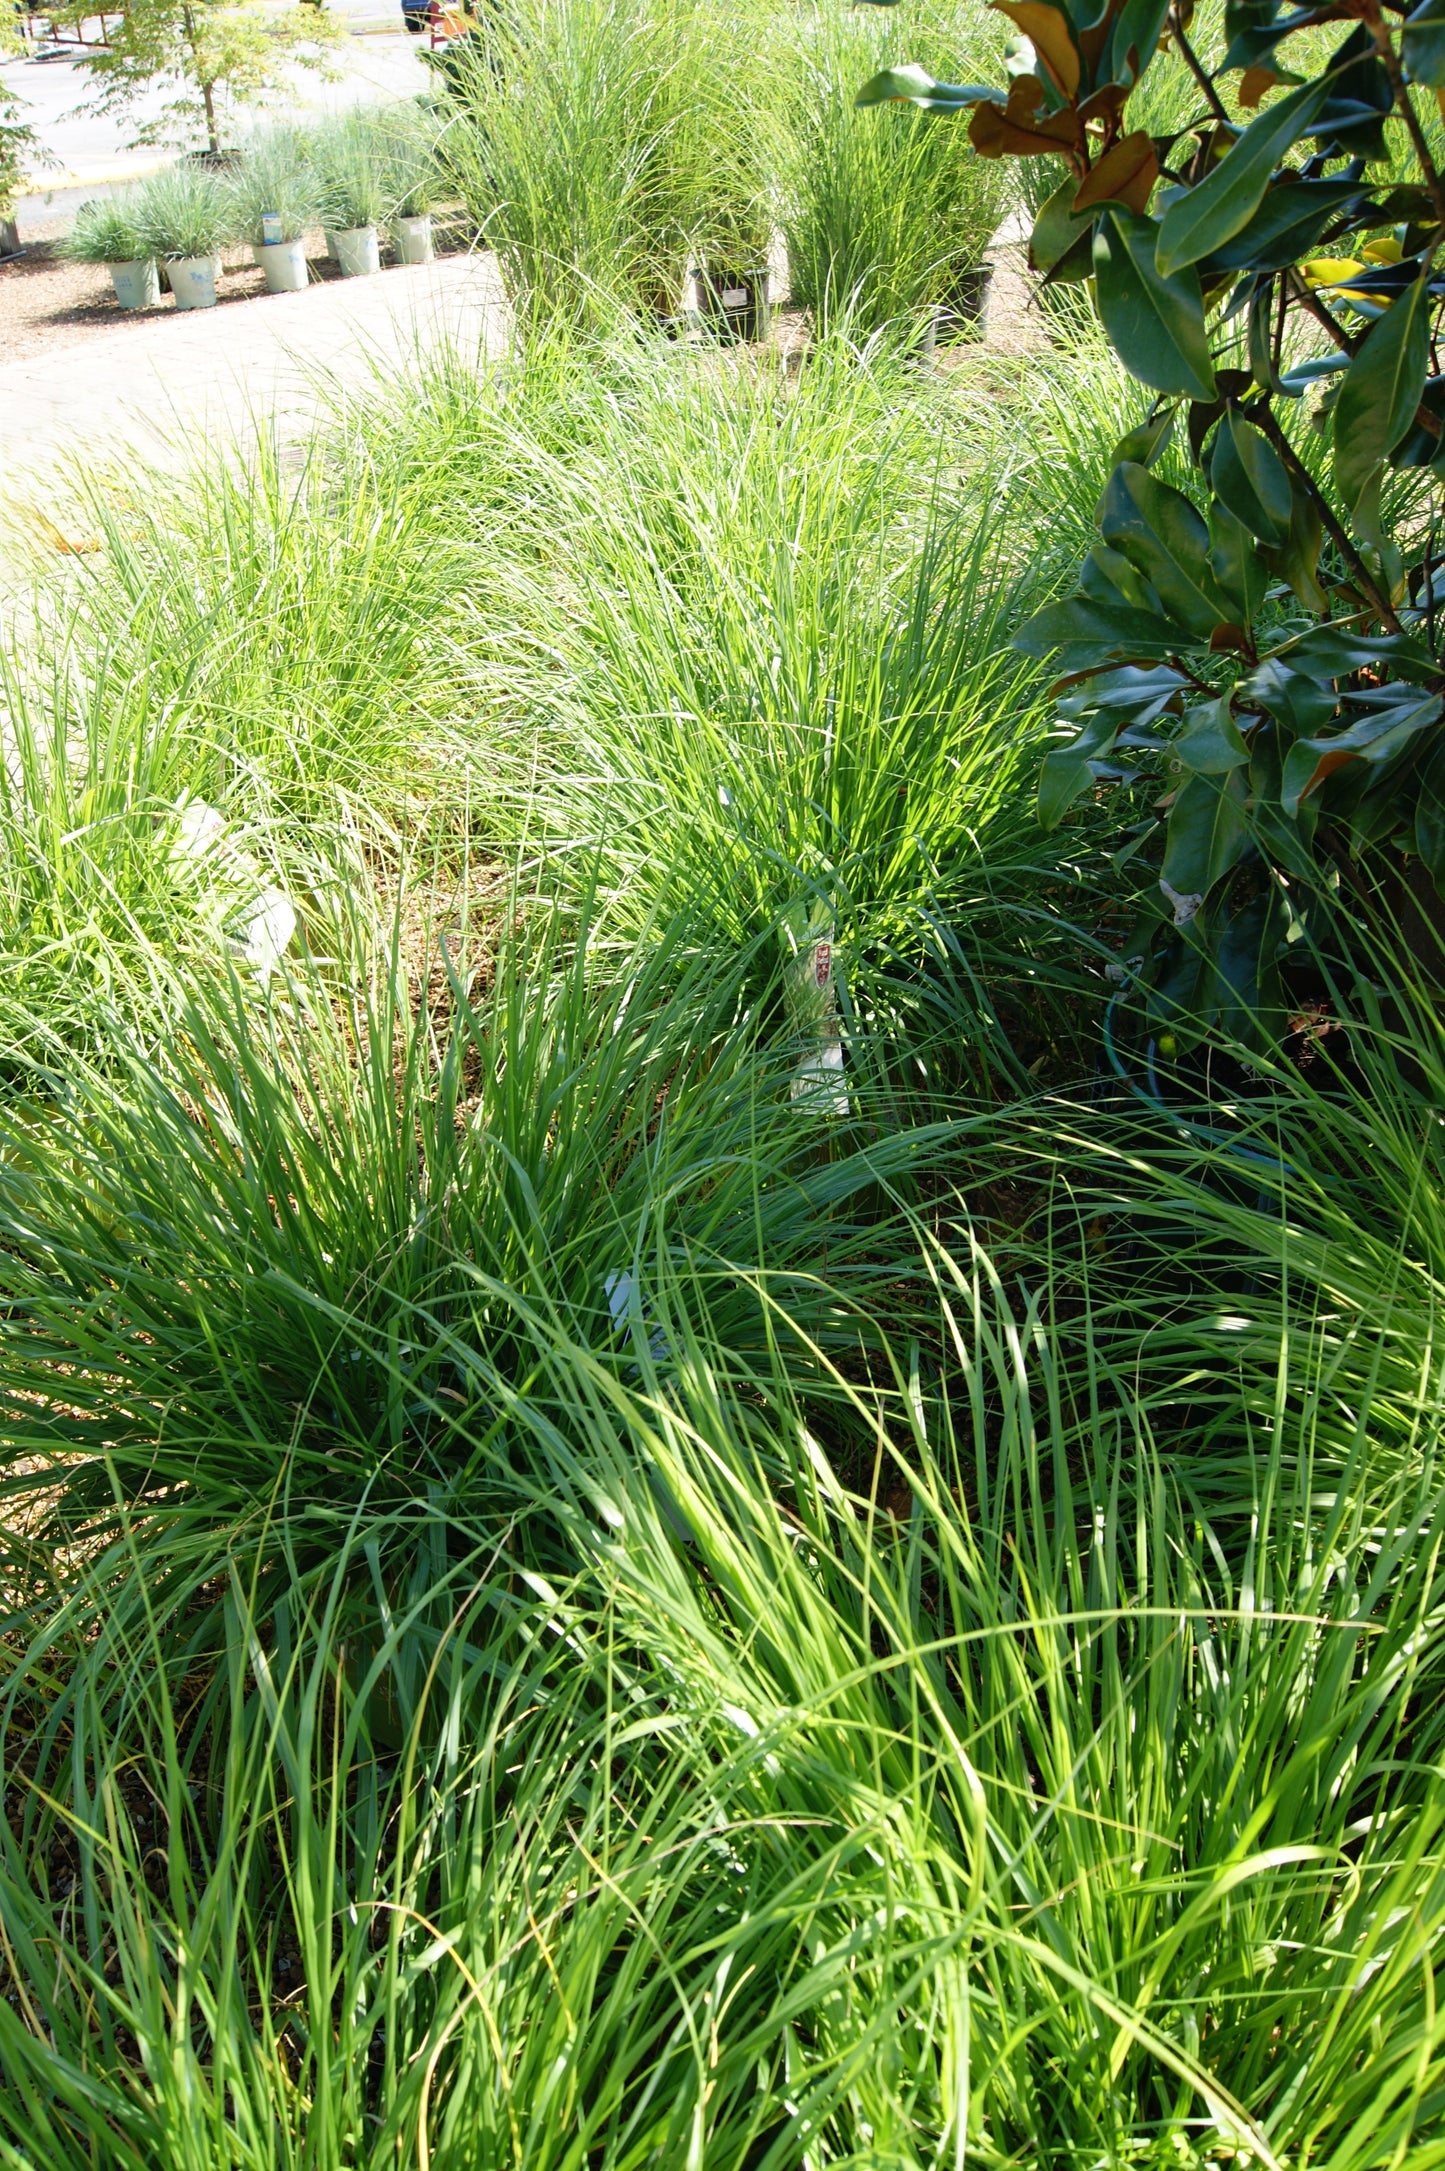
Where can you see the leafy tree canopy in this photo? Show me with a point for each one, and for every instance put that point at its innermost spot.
(212, 56)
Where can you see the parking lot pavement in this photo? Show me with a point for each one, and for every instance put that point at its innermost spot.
(85, 151)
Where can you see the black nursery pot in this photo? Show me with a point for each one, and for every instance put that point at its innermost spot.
(733, 304)
(965, 313)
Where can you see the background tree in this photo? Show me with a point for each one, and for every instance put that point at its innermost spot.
(214, 55)
(1254, 650)
(18, 149)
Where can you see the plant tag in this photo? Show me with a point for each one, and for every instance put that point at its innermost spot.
(808, 935)
(735, 297)
(271, 228)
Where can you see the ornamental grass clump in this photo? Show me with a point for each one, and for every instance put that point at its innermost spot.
(883, 213)
(546, 1614)
(570, 1604)
(408, 137)
(181, 212)
(597, 146)
(107, 230)
(274, 189)
(349, 164)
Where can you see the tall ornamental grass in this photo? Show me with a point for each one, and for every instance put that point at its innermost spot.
(711, 1774)
(568, 1605)
(763, 617)
(882, 210)
(598, 143)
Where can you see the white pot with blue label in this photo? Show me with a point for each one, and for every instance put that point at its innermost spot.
(283, 262)
(137, 285)
(358, 251)
(193, 280)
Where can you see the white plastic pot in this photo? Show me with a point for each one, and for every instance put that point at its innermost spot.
(193, 280)
(284, 263)
(358, 252)
(412, 239)
(137, 285)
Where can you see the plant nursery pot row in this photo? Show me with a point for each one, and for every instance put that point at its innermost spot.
(192, 279)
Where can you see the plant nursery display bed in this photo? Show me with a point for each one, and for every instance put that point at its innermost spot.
(47, 303)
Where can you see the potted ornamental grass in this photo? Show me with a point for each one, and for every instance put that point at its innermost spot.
(184, 217)
(107, 231)
(351, 191)
(407, 138)
(275, 197)
(887, 214)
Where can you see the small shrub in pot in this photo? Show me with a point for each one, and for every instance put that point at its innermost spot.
(184, 216)
(107, 231)
(349, 164)
(275, 197)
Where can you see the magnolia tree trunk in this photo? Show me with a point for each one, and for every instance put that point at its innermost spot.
(9, 237)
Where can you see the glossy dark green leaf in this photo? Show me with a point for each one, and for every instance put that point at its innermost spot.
(1155, 325)
(1378, 396)
(1352, 119)
(1375, 738)
(1260, 337)
(1133, 40)
(1248, 995)
(1159, 531)
(1298, 700)
(1083, 631)
(1065, 771)
(1136, 694)
(919, 88)
(1297, 562)
(1148, 441)
(1290, 219)
(1207, 834)
(1249, 477)
(1253, 28)
(1237, 563)
(1297, 381)
(1211, 742)
(1420, 447)
(1430, 815)
(1057, 231)
(1331, 652)
(1108, 577)
(1207, 216)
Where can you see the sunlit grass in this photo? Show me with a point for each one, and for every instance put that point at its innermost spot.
(569, 1606)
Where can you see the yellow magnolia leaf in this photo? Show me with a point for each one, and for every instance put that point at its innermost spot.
(1330, 270)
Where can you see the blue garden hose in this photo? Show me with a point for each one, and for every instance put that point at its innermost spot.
(1154, 1100)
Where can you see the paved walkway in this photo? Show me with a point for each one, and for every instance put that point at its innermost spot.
(160, 388)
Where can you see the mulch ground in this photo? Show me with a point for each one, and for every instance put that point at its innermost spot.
(46, 302)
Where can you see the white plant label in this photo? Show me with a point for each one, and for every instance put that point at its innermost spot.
(735, 297)
(257, 917)
(271, 228)
(809, 933)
